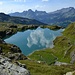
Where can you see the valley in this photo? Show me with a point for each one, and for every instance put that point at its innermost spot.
(43, 61)
(53, 34)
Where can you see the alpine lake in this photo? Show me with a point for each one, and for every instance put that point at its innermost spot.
(31, 40)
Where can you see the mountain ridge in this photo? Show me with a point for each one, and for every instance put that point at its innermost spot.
(61, 17)
(18, 20)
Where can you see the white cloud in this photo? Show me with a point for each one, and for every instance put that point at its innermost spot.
(39, 6)
(37, 37)
(20, 0)
(1, 3)
(45, 0)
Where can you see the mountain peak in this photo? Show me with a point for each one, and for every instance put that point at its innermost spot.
(61, 17)
(36, 10)
(71, 7)
(30, 10)
(5, 15)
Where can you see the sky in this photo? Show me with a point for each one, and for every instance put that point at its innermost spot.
(10, 6)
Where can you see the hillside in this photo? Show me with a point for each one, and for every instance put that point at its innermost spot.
(63, 50)
(18, 20)
(62, 55)
(59, 60)
(61, 17)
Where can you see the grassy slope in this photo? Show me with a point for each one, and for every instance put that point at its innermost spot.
(44, 56)
(44, 69)
(64, 45)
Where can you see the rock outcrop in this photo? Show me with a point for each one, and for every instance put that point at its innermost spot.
(9, 68)
(60, 63)
(72, 55)
(70, 73)
(16, 56)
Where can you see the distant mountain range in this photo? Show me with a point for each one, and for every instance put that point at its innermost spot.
(60, 17)
(18, 20)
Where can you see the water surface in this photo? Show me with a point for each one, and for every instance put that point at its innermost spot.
(31, 40)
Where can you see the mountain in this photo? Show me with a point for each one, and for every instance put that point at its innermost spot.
(18, 20)
(61, 17)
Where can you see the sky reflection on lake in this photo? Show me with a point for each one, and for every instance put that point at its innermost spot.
(31, 40)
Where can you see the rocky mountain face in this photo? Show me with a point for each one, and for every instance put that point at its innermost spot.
(19, 20)
(61, 17)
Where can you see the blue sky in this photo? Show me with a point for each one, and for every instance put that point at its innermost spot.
(8, 6)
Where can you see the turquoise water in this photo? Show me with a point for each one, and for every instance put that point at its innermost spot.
(31, 40)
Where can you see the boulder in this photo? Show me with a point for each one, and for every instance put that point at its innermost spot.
(70, 73)
(9, 68)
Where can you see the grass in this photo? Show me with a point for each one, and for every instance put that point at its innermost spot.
(5, 48)
(74, 73)
(70, 32)
(52, 27)
(44, 69)
(44, 56)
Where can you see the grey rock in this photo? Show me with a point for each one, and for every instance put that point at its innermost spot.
(8, 68)
(72, 55)
(60, 63)
(70, 73)
(21, 65)
(15, 49)
(16, 56)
